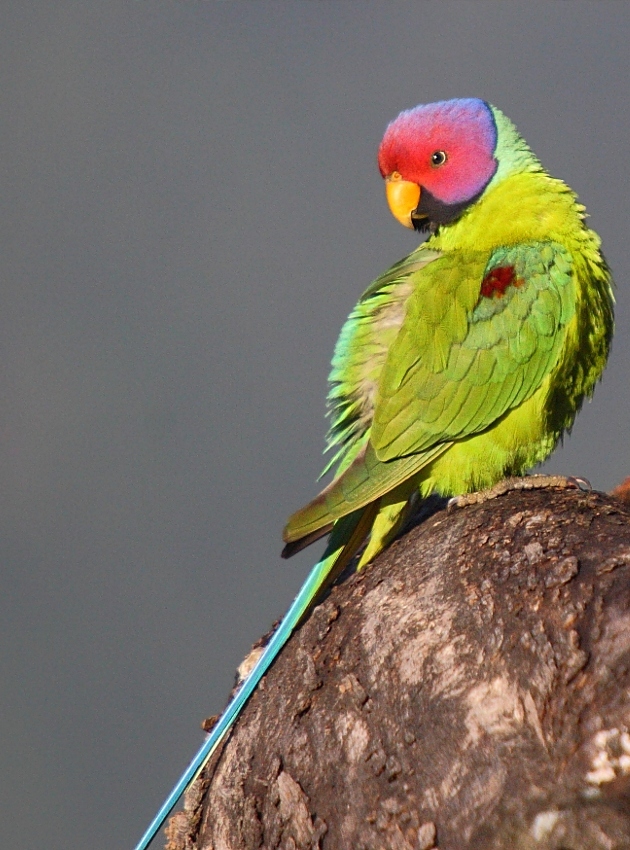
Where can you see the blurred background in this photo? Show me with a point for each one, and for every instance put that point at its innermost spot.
(191, 207)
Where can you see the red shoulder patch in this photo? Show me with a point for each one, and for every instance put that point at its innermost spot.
(498, 280)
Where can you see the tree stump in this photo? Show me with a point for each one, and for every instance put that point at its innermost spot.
(469, 689)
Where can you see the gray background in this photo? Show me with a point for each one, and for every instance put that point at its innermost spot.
(191, 207)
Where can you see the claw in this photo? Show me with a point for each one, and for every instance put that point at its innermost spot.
(452, 503)
(580, 483)
(456, 502)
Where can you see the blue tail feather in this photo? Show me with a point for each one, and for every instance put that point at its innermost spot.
(317, 577)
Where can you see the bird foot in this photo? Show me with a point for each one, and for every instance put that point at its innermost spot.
(527, 482)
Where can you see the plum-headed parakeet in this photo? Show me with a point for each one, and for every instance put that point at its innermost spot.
(462, 364)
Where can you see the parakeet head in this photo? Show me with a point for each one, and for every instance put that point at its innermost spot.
(438, 158)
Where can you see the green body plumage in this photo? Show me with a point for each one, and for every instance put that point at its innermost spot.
(438, 387)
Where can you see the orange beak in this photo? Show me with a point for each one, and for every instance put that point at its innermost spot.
(403, 197)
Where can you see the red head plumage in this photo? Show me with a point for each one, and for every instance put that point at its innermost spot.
(446, 148)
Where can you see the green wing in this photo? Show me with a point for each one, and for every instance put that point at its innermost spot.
(365, 480)
(470, 350)
(361, 352)
(477, 337)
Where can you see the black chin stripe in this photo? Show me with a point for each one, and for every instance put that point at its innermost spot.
(420, 225)
(438, 212)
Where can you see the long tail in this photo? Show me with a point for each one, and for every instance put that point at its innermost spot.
(345, 539)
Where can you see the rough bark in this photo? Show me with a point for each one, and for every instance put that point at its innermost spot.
(469, 689)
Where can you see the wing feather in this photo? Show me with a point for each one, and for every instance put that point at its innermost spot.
(430, 356)
(489, 353)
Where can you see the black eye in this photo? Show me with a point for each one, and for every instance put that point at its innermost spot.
(438, 158)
